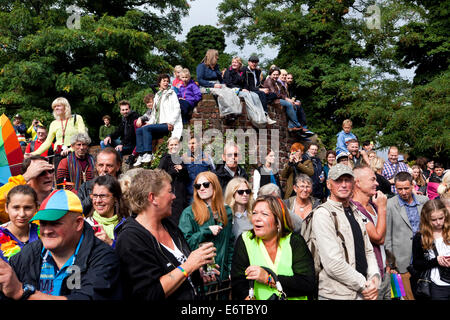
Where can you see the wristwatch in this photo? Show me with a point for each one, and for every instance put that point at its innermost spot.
(28, 290)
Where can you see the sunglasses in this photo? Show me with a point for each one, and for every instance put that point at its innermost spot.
(199, 185)
(229, 155)
(43, 173)
(241, 192)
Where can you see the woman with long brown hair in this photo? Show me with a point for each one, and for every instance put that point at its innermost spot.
(431, 247)
(208, 219)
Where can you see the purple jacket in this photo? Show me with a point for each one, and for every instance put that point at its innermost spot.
(191, 93)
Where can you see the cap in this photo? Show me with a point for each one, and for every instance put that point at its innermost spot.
(342, 154)
(57, 204)
(253, 58)
(338, 170)
(18, 116)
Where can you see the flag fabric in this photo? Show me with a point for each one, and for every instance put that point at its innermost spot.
(11, 155)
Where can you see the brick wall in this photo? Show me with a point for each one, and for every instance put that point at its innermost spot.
(207, 111)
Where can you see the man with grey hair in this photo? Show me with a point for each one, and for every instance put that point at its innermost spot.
(346, 265)
(78, 167)
(231, 168)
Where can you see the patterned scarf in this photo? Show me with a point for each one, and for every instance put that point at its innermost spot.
(75, 169)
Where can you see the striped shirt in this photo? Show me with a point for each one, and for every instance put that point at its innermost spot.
(391, 169)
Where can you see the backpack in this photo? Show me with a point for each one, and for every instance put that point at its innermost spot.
(310, 239)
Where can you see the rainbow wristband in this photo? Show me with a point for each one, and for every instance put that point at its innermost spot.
(182, 270)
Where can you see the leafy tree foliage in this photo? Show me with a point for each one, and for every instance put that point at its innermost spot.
(344, 69)
(116, 54)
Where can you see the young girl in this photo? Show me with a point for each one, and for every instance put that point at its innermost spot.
(431, 247)
(176, 83)
(21, 205)
(188, 95)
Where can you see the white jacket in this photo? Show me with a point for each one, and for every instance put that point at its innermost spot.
(170, 111)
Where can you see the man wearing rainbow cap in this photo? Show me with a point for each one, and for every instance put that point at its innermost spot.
(67, 263)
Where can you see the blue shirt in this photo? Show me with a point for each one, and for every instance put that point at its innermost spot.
(51, 279)
(342, 138)
(412, 212)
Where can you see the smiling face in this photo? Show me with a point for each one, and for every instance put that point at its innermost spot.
(341, 189)
(270, 158)
(331, 159)
(275, 75)
(62, 235)
(263, 220)
(165, 198)
(303, 189)
(60, 110)
(173, 146)
(103, 201)
(20, 209)
(124, 110)
(313, 149)
(289, 79)
(185, 77)
(235, 64)
(43, 184)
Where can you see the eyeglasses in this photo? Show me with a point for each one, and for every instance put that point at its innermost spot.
(99, 196)
(199, 185)
(229, 155)
(43, 173)
(241, 192)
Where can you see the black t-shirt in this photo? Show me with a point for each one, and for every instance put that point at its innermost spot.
(360, 251)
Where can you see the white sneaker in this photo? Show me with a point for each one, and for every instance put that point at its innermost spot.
(270, 121)
(138, 161)
(148, 157)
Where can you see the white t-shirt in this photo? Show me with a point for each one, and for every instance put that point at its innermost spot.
(443, 250)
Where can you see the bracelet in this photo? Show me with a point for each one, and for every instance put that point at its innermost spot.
(182, 270)
(269, 279)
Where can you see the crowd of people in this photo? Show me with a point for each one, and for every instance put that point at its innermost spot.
(76, 227)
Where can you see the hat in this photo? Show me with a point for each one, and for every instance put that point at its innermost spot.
(57, 204)
(18, 116)
(338, 170)
(341, 155)
(253, 58)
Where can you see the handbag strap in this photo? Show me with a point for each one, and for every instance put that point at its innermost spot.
(275, 278)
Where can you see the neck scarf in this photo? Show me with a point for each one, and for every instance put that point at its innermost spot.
(108, 223)
(75, 169)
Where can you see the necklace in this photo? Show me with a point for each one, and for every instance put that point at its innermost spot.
(300, 207)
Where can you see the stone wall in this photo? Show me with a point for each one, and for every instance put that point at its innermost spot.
(207, 111)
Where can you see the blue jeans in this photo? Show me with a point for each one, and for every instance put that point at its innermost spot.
(185, 107)
(146, 134)
(113, 143)
(291, 114)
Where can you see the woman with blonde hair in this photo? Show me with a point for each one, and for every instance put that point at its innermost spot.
(238, 195)
(155, 260)
(444, 187)
(208, 219)
(210, 80)
(63, 128)
(376, 164)
(420, 184)
(431, 247)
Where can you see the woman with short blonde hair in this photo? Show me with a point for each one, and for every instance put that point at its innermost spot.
(62, 129)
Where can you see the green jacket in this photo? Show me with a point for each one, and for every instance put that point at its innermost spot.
(105, 131)
(196, 234)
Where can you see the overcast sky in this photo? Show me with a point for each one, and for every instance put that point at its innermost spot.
(204, 12)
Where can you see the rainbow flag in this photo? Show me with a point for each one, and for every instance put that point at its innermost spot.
(11, 155)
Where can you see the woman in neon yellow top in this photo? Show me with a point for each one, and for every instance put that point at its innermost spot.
(62, 128)
(272, 244)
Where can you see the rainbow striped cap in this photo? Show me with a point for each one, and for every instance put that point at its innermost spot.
(57, 204)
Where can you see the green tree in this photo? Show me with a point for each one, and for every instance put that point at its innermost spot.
(116, 54)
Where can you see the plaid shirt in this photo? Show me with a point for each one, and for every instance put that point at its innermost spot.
(391, 169)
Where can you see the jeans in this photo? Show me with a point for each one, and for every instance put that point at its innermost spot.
(291, 114)
(185, 107)
(301, 116)
(439, 292)
(146, 134)
(113, 143)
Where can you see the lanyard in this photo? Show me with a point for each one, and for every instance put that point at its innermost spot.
(64, 130)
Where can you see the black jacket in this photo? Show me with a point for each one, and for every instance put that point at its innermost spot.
(249, 81)
(126, 130)
(99, 267)
(180, 181)
(225, 177)
(233, 78)
(143, 261)
(84, 194)
(318, 187)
